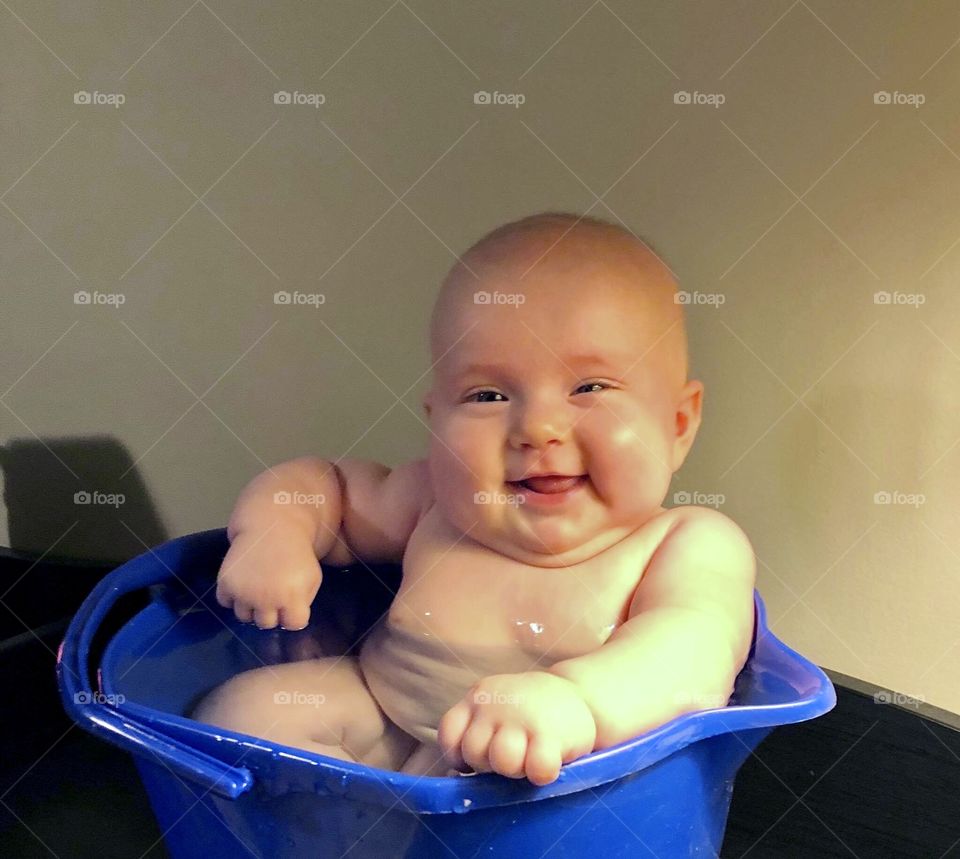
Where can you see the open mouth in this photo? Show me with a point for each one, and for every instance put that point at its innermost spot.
(553, 484)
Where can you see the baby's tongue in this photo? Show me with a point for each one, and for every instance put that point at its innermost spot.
(551, 485)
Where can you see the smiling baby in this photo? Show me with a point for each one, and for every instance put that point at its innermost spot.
(550, 605)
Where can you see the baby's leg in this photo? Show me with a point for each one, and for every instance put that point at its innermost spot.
(321, 705)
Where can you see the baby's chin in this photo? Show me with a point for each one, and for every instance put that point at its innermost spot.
(545, 549)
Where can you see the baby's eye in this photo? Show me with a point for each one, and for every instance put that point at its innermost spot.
(601, 385)
(471, 398)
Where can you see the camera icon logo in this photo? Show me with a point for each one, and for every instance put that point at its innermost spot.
(681, 97)
(481, 298)
(281, 297)
(881, 97)
(481, 97)
(282, 97)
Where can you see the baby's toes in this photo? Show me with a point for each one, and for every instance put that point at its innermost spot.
(508, 750)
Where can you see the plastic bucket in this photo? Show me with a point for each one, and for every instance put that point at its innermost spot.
(215, 793)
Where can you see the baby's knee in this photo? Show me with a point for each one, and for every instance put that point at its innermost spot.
(322, 701)
(240, 704)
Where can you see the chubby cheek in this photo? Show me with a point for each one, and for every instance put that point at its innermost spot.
(629, 466)
(461, 464)
(473, 448)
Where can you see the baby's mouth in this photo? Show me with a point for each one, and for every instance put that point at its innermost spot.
(549, 485)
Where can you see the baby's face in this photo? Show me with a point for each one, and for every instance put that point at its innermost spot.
(555, 382)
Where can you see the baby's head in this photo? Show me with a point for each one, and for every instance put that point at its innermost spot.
(558, 349)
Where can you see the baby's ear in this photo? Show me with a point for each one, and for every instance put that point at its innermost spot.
(688, 413)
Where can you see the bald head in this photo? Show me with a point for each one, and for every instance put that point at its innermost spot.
(557, 251)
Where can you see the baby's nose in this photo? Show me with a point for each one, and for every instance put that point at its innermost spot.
(537, 429)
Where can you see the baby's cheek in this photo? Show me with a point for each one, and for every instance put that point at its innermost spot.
(616, 450)
(630, 463)
(453, 483)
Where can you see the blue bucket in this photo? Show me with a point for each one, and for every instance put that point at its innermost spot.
(214, 792)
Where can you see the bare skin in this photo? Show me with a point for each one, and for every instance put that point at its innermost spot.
(532, 625)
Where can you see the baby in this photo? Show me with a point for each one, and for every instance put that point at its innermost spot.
(549, 606)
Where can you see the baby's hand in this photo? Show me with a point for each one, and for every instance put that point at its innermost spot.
(518, 725)
(270, 577)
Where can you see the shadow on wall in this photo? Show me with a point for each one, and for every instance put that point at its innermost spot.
(77, 499)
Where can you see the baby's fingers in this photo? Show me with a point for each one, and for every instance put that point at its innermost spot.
(543, 760)
(243, 611)
(224, 594)
(475, 745)
(265, 618)
(450, 732)
(508, 750)
(294, 617)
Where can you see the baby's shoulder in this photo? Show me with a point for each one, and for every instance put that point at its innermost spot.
(418, 483)
(691, 518)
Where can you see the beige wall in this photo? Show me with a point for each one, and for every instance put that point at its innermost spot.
(796, 201)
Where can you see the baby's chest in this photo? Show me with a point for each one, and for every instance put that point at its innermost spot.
(459, 609)
(476, 599)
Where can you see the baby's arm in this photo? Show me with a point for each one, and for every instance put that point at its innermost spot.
(687, 636)
(297, 515)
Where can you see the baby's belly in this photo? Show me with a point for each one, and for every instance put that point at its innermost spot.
(417, 678)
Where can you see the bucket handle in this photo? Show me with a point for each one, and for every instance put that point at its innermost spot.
(91, 712)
